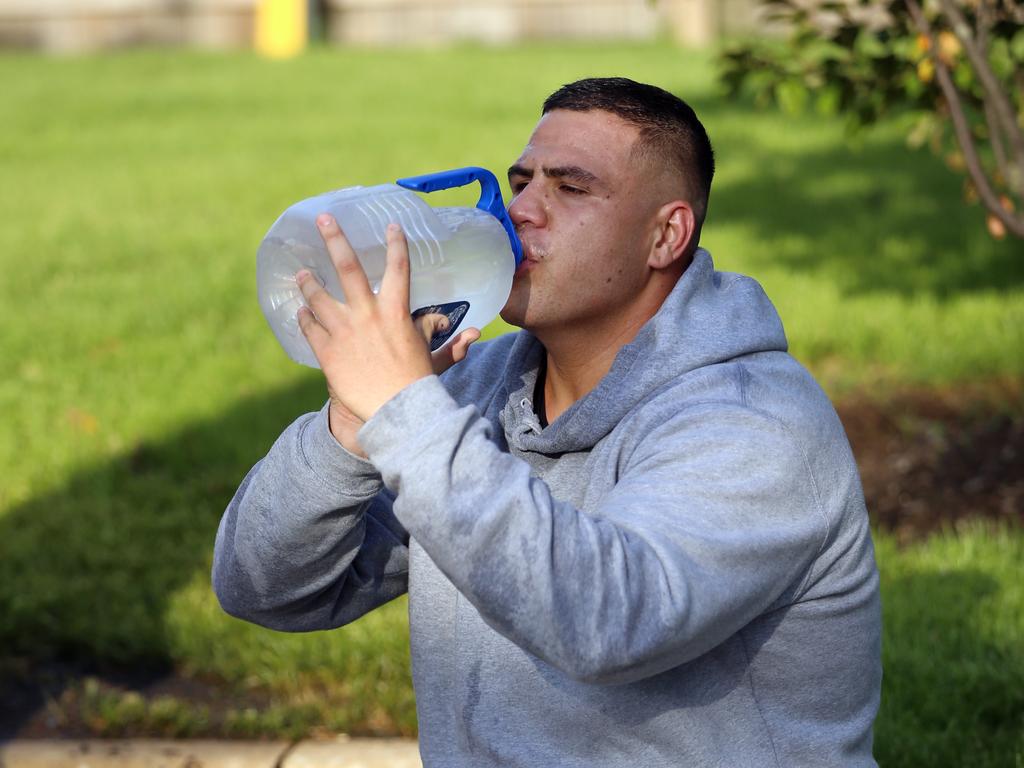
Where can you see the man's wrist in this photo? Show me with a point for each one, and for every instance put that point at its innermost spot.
(344, 429)
(347, 476)
(404, 418)
(385, 392)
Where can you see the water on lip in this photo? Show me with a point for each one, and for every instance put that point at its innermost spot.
(534, 252)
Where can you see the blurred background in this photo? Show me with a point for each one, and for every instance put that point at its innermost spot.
(283, 27)
(147, 145)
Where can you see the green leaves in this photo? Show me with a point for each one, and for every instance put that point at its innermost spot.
(869, 44)
(828, 100)
(791, 96)
(871, 60)
(1017, 46)
(1002, 59)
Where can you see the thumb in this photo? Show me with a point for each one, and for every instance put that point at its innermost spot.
(432, 324)
(445, 358)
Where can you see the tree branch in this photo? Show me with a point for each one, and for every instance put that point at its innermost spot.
(1014, 174)
(996, 138)
(987, 11)
(1014, 224)
(983, 25)
(993, 91)
(1014, 10)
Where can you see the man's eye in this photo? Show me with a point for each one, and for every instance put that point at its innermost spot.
(518, 187)
(573, 190)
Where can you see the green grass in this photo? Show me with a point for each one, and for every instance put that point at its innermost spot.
(139, 381)
(953, 616)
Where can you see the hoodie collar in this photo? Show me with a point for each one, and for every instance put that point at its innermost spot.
(709, 317)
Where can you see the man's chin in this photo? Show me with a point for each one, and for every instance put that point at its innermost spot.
(511, 317)
(514, 311)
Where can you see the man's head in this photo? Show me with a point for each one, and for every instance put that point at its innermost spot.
(672, 139)
(608, 198)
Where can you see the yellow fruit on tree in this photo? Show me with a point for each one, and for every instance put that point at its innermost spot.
(996, 228)
(925, 70)
(949, 47)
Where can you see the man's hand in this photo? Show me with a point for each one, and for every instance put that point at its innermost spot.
(369, 348)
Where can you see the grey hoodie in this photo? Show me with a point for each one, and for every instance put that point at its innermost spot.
(678, 571)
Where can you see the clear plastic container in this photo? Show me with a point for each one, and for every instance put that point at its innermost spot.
(461, 259)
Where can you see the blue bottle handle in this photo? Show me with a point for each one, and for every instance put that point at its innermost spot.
(490, 196)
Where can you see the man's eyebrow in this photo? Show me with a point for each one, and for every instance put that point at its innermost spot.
(570, 172)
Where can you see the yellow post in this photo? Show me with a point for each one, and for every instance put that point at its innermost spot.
(282, 28)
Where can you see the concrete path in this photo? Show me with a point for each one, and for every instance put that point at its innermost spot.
(162, 753)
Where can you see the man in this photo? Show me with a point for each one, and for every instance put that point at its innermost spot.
(632, 534)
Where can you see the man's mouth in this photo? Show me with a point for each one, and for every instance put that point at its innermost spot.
(525, 265)
(531, 258)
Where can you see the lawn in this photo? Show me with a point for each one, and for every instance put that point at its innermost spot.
(139, 380)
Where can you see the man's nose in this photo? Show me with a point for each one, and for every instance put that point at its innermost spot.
(527, 207)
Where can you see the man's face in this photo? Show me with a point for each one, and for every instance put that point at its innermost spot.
(583, 207)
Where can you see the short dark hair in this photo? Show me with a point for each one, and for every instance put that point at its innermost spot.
(669, 127)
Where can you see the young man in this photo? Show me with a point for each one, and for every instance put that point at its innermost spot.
(632, 534)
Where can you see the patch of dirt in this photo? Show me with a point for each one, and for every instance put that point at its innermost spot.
(929, 458)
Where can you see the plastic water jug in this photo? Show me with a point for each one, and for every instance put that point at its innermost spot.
(461, 259)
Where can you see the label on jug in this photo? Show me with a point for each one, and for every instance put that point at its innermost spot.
(455, 311)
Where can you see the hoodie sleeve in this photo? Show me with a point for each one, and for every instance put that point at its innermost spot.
(309, 540)
(714, 515)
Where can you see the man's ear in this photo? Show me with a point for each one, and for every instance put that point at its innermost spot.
(675, 235)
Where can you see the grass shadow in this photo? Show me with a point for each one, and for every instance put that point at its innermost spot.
(871, 215)
(951, 696)
(87, 570)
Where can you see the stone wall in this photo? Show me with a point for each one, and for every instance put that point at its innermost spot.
(692, 22)
(375, 22)
(88, 25)
(76, 26)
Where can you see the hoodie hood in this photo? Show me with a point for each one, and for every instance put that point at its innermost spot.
(709, 317)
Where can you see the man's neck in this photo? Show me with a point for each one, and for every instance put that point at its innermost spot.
(578, 360)
(579, 356)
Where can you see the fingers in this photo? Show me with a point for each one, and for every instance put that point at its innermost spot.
(431, 325)
(350, 271)
(394, 287)
(461, 344)
(317, 299)
(315, 333)
(445, 358)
